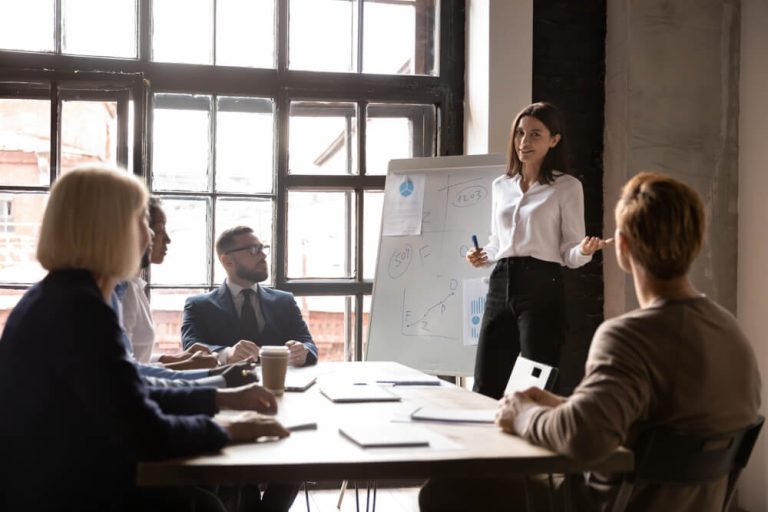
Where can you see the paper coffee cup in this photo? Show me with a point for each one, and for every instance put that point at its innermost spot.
(274, 364)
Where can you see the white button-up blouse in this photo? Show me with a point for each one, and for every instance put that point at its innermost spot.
(545, 222)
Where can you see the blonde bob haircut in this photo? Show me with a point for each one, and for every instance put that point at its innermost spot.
(663, 220)
(91, 222)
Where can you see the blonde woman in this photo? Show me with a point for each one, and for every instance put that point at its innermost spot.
(74, 414)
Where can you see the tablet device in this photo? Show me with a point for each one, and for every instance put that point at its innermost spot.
(385, 436)
(487, 416)
(348, 393)
(299, 381)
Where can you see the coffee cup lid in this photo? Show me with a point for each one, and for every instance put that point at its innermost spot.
(273, 351)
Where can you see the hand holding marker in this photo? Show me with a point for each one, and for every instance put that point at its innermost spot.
(477, 257)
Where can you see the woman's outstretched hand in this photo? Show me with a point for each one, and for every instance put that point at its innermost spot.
(591, 244)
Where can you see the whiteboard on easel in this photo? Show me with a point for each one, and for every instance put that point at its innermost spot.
(427, 300)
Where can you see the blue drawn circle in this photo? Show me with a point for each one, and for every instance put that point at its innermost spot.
(475, 320)
(406, 187)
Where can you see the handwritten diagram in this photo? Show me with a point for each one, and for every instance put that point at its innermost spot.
(399, 261)
(428, 316)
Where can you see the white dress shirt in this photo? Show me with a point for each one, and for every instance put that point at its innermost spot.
(137, 320)
(546, 222)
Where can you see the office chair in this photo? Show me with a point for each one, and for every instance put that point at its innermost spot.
(666, 456)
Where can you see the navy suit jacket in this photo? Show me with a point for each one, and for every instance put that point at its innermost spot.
(74, 414)
(211, 319)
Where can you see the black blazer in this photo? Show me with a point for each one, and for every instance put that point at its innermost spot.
(211, 319)
(74, 414)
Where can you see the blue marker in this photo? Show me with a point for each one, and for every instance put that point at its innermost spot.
(474, 241)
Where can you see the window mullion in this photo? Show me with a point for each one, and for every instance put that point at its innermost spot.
(57, 26)
(55, 151)
(144, 27)
(282, 114)
(282, 35)
(360, 29)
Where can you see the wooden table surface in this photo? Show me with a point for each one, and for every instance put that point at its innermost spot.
(323, 454)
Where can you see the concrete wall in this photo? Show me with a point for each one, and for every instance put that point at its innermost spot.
(672, 106)
(753, 233)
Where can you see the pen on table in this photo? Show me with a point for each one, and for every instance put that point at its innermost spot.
(410, 382)
(474, 241)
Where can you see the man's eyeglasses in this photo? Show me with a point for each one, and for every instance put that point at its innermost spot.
(253, 250)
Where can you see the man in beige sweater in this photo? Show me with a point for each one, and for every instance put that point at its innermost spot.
(680, 361)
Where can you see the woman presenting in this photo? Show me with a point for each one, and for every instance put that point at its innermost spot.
(537, 226)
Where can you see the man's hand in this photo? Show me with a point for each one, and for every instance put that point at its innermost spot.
(542, 397)
(297, 354)
(196, 361)
(198, 347)
(248, 427)
(247, 398)
(242, 350)
(239, 374)
(515, 409)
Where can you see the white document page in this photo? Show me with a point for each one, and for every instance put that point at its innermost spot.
(474, 292)
(403, 204)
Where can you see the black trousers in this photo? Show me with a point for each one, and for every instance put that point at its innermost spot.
(524, 313)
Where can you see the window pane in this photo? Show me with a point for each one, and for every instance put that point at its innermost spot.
(257, 214)
(167, 308)
(182, 31)
(25, 142)
(328, 319)
(397, 131)
(20, 218)
(188, 255)
(412, 51)
(27, 25)
(181, 142)
(88, 133)
(245, 33)
(323, 35)
(96, 27)
(320, 234)
(244, 145)
(322, 138)
(372, 206)
(8, 301)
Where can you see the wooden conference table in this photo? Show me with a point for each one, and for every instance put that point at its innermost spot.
(323, 454)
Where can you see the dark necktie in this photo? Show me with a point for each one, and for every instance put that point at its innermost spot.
(248, 322)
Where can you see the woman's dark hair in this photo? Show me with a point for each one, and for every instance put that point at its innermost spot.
(155, 206)
(555, 160)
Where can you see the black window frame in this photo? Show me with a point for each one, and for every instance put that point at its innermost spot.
(142, 79)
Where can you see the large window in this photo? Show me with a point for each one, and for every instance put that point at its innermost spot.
(278, 114)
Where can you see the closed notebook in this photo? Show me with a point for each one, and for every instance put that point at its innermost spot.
(385, 436)
(342, 393)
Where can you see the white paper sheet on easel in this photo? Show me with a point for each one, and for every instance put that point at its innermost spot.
(403, 202)
(474, 292)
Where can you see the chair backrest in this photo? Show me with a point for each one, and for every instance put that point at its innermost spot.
(527, 373)
(667, 456)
